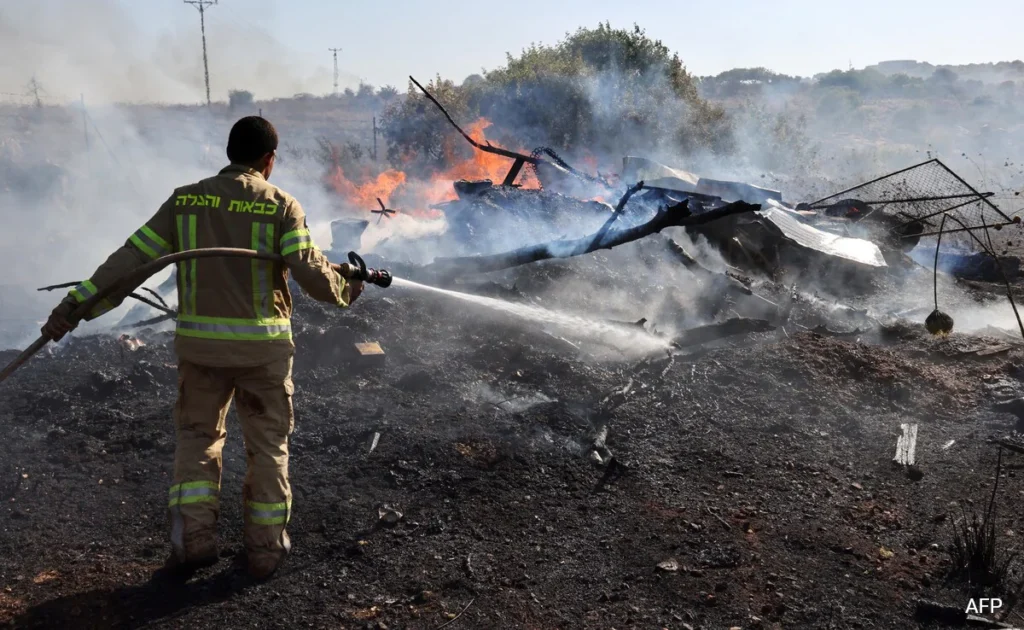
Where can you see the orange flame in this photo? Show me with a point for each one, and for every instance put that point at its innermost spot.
(439, 188)
(366, 195)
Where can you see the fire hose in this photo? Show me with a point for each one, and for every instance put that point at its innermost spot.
(355, 269)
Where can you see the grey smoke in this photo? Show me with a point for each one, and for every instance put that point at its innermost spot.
(99, 49)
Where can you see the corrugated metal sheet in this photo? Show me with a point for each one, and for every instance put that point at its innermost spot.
(655, 175)
(855, 249)
(736, 191)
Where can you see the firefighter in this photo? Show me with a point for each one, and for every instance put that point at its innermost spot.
(233, 341)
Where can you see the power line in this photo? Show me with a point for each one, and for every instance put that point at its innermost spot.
(201, 5)
(335, 51)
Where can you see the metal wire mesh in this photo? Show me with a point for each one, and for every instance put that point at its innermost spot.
(922, 193)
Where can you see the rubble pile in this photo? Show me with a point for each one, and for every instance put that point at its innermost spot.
(484, 215)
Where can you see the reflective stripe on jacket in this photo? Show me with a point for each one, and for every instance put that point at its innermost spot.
(232, 312)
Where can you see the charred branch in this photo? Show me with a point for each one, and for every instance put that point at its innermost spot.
(162, 306)
(672, 216)
(159, 319)
(519, 159)
(488, 147)
(131, 281)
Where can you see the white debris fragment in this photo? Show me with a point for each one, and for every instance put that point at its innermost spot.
(906, 445)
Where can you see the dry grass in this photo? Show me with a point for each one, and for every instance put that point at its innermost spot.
(977, 557)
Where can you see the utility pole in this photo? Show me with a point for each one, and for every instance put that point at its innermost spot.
(374, 138)
(335, 51)
(85, 123)
(201, 5)
(34, 88)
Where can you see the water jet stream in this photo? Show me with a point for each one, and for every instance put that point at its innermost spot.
(622, 338)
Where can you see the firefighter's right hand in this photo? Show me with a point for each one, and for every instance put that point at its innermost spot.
(58, 324)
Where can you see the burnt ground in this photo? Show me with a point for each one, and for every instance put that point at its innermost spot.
(761, 466)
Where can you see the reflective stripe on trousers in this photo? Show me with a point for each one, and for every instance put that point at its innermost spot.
(187, 268)
(193, 492)
(234, 329)
(263, 270)
(269, 513)
(187, 493)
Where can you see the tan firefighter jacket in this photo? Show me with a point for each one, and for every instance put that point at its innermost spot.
(232, 312)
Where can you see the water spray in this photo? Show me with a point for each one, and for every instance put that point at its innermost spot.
(622, 339)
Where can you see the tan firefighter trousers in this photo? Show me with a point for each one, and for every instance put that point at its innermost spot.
(263, 398)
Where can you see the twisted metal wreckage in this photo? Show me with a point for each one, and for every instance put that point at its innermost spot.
(899, 218)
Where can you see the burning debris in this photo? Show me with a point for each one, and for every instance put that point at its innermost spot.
(550, 169)
(852, 236)
(483, 215)
(500, 209)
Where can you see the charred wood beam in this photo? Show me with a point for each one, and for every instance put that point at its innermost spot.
(632, 190)
(513, 172)
(695, 267)
(726, 280)
(672, 216)
(688, 261)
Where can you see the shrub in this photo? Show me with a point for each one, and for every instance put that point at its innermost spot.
(240, 98)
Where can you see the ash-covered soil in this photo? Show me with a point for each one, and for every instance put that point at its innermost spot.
(757, 472)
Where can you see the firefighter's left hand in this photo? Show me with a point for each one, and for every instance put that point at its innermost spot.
(58, 324)
(355, 290)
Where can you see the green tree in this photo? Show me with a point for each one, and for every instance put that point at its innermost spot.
(599, 90)
(387, 93)
(417, 135)
(239, 98)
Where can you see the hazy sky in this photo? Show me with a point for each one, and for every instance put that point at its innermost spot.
(281, 45)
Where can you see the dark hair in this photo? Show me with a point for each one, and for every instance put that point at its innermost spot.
(250, 139)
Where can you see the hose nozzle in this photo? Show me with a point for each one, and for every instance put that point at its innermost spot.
(356, 269)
